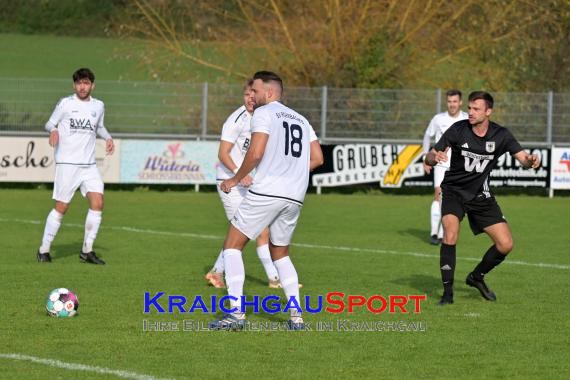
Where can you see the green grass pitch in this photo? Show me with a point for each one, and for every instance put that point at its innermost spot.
(360, 244)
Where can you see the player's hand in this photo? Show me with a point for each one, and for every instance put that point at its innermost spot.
(246, 181)
(534, 160)
(109, 146)
(441, 156)
(227, 185)
(427, 168)
(54, 138)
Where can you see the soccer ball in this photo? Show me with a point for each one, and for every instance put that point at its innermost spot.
(62, 302)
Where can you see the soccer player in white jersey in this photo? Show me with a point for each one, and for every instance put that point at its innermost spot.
(73, 127)
(437, 127)
(284, 148)
(234, 142)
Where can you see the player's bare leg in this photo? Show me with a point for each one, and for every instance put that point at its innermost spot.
(447, 256)
(53, 222)
(289, 281)
(436, 224)
(502, 238)
(92, 223)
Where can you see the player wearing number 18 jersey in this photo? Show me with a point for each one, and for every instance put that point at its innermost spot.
(284, 148)
(234, 143)
(476, 144)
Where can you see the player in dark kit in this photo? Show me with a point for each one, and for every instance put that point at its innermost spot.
(476, 145)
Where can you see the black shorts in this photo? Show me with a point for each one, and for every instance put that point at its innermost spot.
(482, 212)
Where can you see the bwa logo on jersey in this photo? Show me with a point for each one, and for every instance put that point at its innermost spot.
(80, 124)
(490, 146)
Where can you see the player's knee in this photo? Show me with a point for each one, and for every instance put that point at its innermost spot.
(450, 237)
(505, 246)
(96, 204)
(61, 207)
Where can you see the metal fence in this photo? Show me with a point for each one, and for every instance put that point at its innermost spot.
(149, 109)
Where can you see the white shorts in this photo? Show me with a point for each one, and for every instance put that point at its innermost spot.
(231, 200)
(70, 177)
(438, 174)
(257, 212)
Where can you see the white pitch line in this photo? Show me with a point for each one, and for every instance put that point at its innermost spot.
(79, 367)
(303, 245)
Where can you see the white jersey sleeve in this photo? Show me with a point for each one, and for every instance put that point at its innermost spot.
(236, 130)
(56, 116)
(313, 134)
(430, 132)
(261, 121)
(230, 129)
(101, 130)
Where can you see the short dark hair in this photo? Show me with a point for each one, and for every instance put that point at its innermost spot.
(268, 76)
(484, 95)
(453, 92)
(83, 73)
(248, 83)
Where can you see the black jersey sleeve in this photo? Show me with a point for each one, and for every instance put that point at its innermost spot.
(511, 143)
(449, 138)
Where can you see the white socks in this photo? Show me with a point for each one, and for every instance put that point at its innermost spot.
(52, 226)
(92, 223)
(219, 264)
(235, 276)
(435, 217)
(289, 282)
(265, 258)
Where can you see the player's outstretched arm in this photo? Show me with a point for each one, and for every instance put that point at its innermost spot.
(434, 157)
(528, 160)
(316, 155)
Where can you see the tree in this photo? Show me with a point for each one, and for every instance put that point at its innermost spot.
(494, 44)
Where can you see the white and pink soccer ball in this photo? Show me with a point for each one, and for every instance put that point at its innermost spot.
(62, 302)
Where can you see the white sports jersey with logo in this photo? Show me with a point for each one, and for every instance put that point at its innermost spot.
(284, 169)
(236, 130)
(437, 127)
(77, 122)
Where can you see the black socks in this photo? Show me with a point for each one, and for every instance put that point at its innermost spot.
(491, 259)
(447, 267)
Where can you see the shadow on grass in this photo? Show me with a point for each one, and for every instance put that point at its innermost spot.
(420, 234)
(60, 251)
(431, 285)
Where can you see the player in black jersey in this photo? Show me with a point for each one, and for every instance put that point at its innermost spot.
(476, 145)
